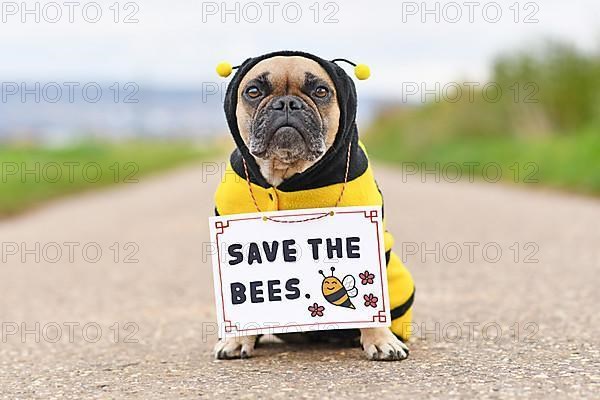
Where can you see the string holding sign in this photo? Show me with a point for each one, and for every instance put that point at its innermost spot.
(337, 203)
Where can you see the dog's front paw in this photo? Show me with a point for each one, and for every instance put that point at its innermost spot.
(382, 345)
(238, 347)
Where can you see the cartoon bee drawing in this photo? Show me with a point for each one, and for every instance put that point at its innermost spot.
(339, 292)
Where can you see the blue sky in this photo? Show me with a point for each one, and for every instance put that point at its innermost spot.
(179, 42)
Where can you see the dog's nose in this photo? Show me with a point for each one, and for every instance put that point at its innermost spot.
(287, 103)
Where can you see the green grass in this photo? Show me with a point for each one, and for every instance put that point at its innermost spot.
(544, 129)
(570, 162)
(31, 175)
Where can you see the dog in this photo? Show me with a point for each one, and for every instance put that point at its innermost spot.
(292, 117)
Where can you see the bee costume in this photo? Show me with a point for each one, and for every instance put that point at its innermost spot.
(318, 186)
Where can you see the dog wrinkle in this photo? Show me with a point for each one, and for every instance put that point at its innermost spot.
(287, 76)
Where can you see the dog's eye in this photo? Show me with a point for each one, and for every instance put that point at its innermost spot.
(321, 91)
(253, 92)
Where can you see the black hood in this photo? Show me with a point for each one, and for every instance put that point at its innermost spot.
(331, 168)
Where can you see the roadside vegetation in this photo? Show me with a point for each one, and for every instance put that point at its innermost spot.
(544, 128)
(32, 174)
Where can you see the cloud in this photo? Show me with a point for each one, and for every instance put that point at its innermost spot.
(178, 43)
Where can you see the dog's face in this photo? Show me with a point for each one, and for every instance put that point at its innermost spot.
(287, 112)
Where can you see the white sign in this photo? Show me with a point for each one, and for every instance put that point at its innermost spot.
(299, 270)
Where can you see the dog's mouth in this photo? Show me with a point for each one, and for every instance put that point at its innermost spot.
(287, 134)
(287, 144)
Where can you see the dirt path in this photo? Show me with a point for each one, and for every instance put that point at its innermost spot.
(542, 299)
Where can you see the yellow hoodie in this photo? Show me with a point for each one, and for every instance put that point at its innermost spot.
(233, 197)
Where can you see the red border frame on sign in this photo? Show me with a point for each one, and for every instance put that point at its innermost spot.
(371, 215)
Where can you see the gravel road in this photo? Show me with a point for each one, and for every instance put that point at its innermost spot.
(507, 299)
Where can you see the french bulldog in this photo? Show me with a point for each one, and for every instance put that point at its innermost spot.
(286, 109)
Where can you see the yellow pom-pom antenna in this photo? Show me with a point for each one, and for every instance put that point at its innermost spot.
(362, 71)
(224, 69)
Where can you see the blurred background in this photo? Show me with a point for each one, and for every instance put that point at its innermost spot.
(130, 86)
